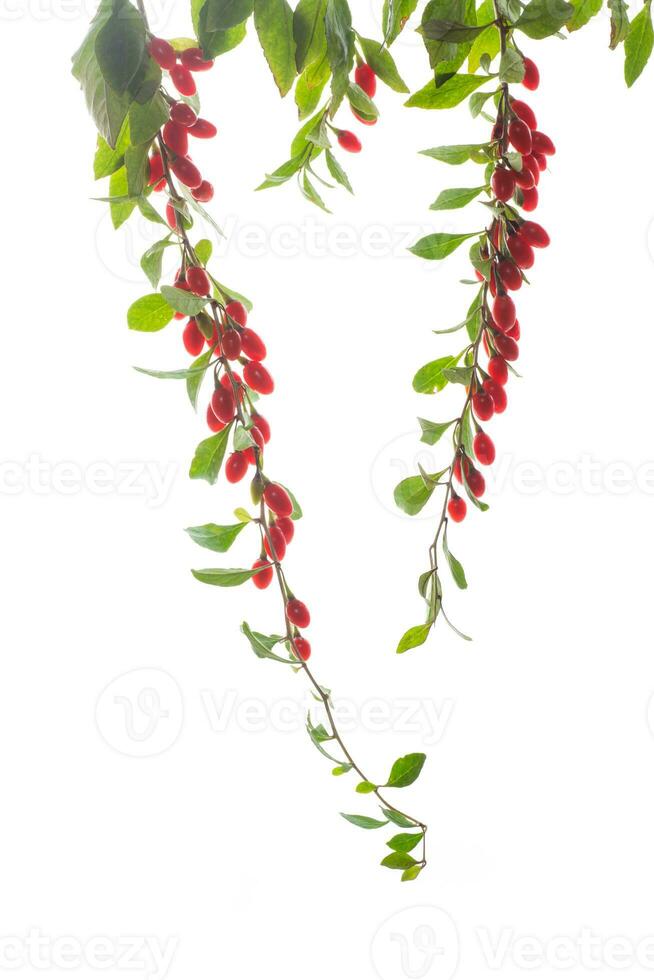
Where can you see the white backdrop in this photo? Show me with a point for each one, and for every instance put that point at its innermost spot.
(200, 833)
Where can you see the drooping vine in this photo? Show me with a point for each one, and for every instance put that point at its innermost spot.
(145, 134)
(482, 38)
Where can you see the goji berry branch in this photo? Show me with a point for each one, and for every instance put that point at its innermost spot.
(217, 319)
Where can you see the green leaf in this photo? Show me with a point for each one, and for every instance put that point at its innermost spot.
(196, 377)
(456, 567)
(487, 44)
(263, 645)
(309, 32)
(638, 44)
(225, 578)
(381, 61)
(149, 313)
(430, 377)
(457, 197)
(146, 120)
(619, 22)
(203, 250)
(215, 537)
(433, 431)
(542, 18)
(394, 17)
(149, 212)
(183, 301)
(108, 160)
(283, 173)
(458, 375)
(361, 102)
(311, 194)
(404, 842)
(223, 14)
(460, 153)
(366, 823)
(337, 171)
(406, 770)
(310, 85)
(414, 637)
(152, 258)
(121, 203)
(398, 861)
(412, 494)
(512, 66)
(340, 48)
(398, 818)
(447, 30)
(342, 770)
(273, 21)
(135, 165)
(178, 375)
(440, 244)
(107, 107)
(120, 47)
(412, 873)
(365, 787)
(217, 42)
(455, 90)
(209, 457)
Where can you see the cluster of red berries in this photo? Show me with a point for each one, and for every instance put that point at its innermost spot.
(366, 79)
(183, 122)
(510, 250)
(278, 536)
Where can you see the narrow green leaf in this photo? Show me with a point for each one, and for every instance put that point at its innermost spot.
(398, 861)
(214, 536)
(457, 197)
(183, 301)
(619, 22)
(381, 61)
(398, 818)
(337, 171)
(439, 245)
(262, 645)
(456, 568)
(273, 21)
(404, 842)
(309, 32)
(414, 637)
(225, 578)
(454, 91)
(209, 457)
(366, 823)
(454, 155)
(433, 431)
(638, 44)
(152, 258)
(196, 375)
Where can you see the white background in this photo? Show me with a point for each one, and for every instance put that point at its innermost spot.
(226, 847)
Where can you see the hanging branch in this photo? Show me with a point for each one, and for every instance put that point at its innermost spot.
(143, 147)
